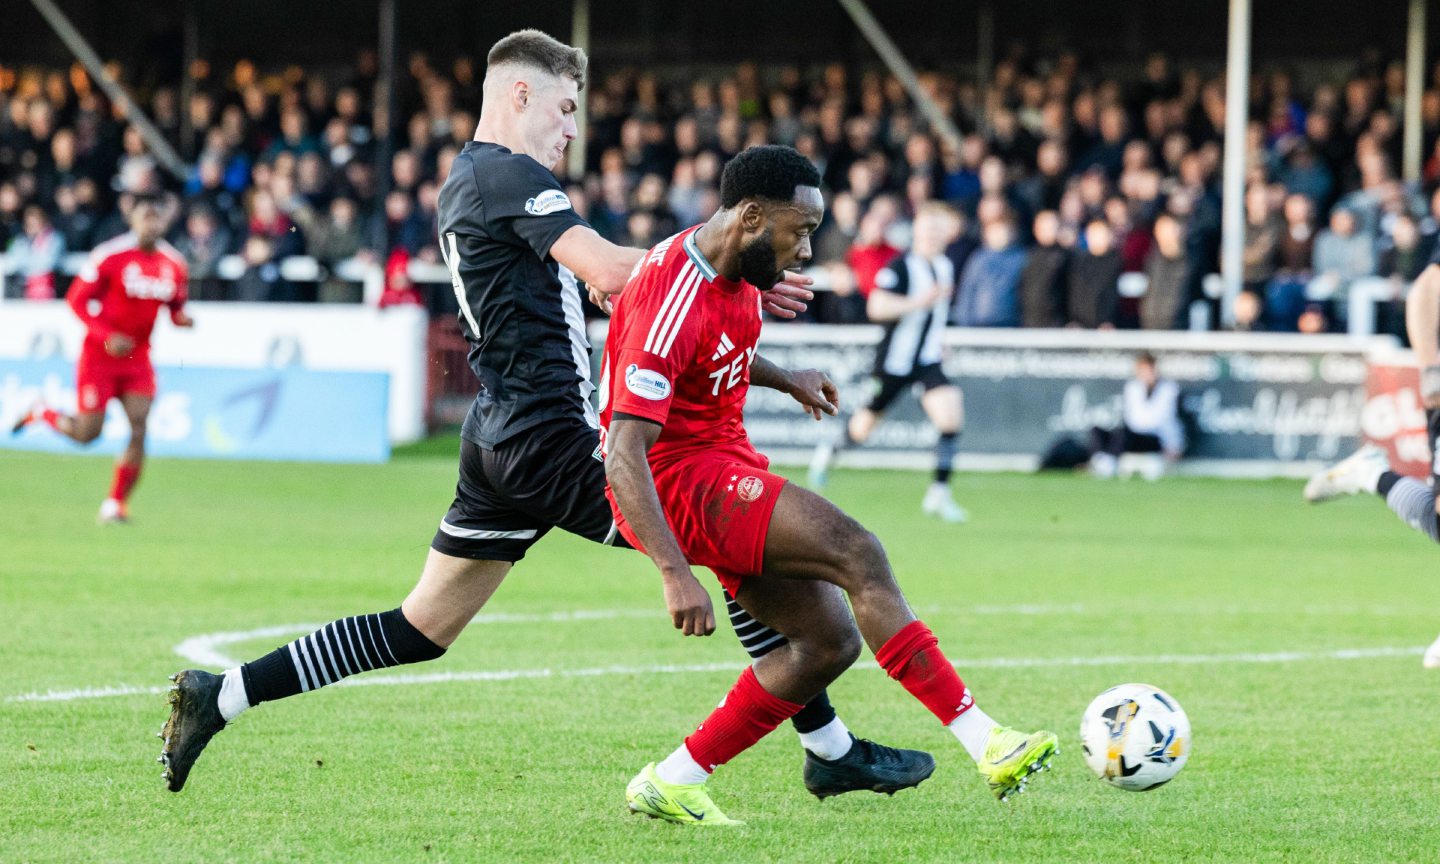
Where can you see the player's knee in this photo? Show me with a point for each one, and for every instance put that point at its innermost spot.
(831, 653)
(846, 650)
(86, 433)
(863, 558)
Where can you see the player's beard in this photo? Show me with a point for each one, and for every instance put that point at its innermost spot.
(758, 264)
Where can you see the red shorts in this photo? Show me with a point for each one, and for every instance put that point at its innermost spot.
(719, 505)
(100, 378)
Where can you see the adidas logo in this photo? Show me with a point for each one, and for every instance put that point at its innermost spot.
(725, 347)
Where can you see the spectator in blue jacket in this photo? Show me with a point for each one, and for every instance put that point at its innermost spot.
(989, 291)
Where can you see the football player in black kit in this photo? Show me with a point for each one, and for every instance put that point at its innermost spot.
(529, 452)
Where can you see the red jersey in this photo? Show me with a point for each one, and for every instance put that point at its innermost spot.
(123, 287)
(866, 262)
(682, 338)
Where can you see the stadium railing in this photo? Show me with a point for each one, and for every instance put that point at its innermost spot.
(1364, 295)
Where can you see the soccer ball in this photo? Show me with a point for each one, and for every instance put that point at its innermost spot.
(1135, 736)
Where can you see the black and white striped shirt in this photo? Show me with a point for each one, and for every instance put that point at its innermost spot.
(913, 339)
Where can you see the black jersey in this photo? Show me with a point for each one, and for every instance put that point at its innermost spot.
(500, 212)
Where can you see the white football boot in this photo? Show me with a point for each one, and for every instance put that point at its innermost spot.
(1432, 656)
(112, 512)
(939, 503)
(1360, 472)
(820, 463)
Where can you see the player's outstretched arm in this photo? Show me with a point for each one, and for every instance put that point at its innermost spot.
(600, 264)
(812, 388)
(1422, 324)
(627, 441)
(888, 306)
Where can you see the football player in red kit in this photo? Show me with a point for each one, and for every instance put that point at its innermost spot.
(117, 296)
(688, 488)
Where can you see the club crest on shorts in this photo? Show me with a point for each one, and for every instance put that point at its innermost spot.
(750, 488)
(647, 383)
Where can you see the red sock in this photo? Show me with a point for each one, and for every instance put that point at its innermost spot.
(913, 657)
(126, 474)
(748, 713)
(51, 417)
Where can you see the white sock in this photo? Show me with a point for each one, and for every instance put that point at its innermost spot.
(680, 767)
(233, 698)
(829, 742)
(973, 728)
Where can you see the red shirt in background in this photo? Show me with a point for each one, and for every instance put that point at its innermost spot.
(122, 288)
(866, 262)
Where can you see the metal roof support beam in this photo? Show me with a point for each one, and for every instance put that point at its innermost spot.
(164, 153)
(901, 69)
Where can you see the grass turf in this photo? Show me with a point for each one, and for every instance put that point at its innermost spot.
(1060, 587)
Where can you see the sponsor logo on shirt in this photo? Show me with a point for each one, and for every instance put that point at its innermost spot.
(142, 287)
(547, 202)
(647, 383)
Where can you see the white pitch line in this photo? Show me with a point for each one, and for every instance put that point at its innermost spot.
(204, 650)
(399, 680)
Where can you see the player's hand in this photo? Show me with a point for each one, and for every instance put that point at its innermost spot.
(1430, 385)
(935, 296)
(119, 345)
(815, 391)
(688, 602)
(600, 299)
(180, 319)
(789, 296)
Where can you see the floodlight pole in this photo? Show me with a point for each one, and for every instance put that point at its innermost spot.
(901, 69)
(191, 51)
(1414, 89)
(384, 114)
(580, 38)
(1237, 118)
(164, 153)
(984, 61)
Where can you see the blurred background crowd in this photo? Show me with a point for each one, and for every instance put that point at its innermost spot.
(1088, 200)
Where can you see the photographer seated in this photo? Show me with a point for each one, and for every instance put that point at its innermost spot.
(1150, 427)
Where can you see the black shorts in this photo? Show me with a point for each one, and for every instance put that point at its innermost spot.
(510, 497)
(887, 387)
(1432, 426)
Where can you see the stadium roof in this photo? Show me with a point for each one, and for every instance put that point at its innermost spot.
(680, 33)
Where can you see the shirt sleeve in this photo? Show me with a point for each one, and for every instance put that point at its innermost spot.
(84, 289)
(659, 342)
(527, 197)
(894, 277)
(182, 290)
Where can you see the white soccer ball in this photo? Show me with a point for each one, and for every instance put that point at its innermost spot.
(1135, 736)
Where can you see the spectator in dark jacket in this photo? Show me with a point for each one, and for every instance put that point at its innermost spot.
(204, 242)
(1043, 280)
(988, 294)
(1094, 279)
(1163, 305)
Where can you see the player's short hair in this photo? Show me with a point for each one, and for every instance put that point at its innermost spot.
(541, 51)
(938, 208)
(769, 172)
(1145, 358)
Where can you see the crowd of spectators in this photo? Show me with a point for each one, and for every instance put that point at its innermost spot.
(1069, 182)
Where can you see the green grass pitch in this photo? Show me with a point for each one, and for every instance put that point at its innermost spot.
(1234, 596)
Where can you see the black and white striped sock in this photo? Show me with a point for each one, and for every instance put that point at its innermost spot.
(759, 640)
(1413, 502)
(338, 650)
